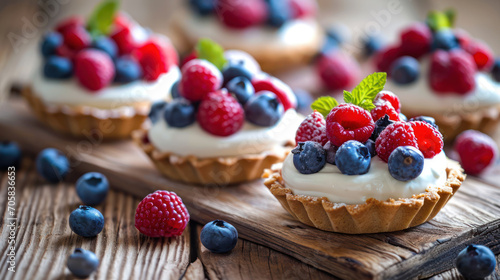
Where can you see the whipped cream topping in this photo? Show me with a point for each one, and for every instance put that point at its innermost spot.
(377, 183)
(250, 140)
(70, 92)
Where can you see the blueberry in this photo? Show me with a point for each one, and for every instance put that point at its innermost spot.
(157, 110)
(203, 7)
(304, 100)
(219, 236)
(233, 70)
(338, 32)
(86, 221)
(127, 70)
(445, 39)
(403, 117)
(92, 188)
(263, 109)
(406, 163)
(353, 158)
(174, 90)
(57, 67)
(179, 113)
(106, 45)
(241, 88)
(329, 45)
(495, 71)
(278, 12)
(82, 263)
(50, 42)
(427, 119)
(370, 144)
(331, 151)
(10, 155)
(52, 165)
(476, 262)
(380, 125)
(309, 157)
(371, 44)
(405, 70)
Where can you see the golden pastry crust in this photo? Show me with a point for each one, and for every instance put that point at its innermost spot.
(371, 217)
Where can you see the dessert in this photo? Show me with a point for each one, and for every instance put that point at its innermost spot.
(373, 175)
(279, 34)
(442, 72)
(100, 77)
(221, 128)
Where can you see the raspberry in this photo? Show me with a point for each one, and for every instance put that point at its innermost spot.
(161, 214)
(429, 139)
(463, 37)
(199, 77)
(65, 51)
(122, 20)
(384, 59)
(276, 86)
(395, 135)
(94, 69)
(155, 57)
(124, 40)
(384, 108)
(77, 38)
(69, 23)
(452, 71)
(241, 14)
(312, 128)
(189, 57)
(220, 114)
(338, 71)
(348, 122)
(482, 54)
(303, 8)
(476, 151)
(416, 40)
(389, 97)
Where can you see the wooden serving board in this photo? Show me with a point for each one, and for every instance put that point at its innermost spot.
(472, 216)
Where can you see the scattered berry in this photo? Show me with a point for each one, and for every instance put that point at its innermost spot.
(106, 45)
(348, 122)
(82, 263)
(86, 221)
(405, 70)
(69, 23)
(241, 88)
(263, 109)
(386, 95)
(94, 69)
(155, 57)
(429, 139)
(370, 144)
(406, 163)
(203, 7)
(92, 188)
(241, 14)
(393, 136)
(476, 151)
(384, 59)
(124, 40)
(330, 151)
(51, 41)
(302, 8)
(445, 40)
(127, 70)
(384, 108)
(233, 70)
(338, 71)
(427, 119)
(220, 114)
(495, 70)
(219, 236)
(482, 54)
(476, 262)
(199, 77)
(52, 165)
(380, 125)
(416, 40)
(276, 86)
(353, 158)
(371, 45)
(77, 38)
(10, 155)
(57, 67)
(452, 71)
(309, 157)
(278, 12)
(156, 111)
(161, 214)
(312, 128)
(179, 113)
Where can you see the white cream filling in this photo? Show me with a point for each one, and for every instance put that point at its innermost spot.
(251, 139)
(377, 183)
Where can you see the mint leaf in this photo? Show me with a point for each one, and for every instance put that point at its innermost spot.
(451, 15)
(439, 20)
(324, 105)
(211, 51)
(102, 18)
(364, 93)
(348, 97)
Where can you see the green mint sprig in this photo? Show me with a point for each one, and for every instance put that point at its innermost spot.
(441, 20)
(211, 51)
(102, 17)
(324, 105)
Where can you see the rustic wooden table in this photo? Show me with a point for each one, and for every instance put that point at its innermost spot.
(44, 239)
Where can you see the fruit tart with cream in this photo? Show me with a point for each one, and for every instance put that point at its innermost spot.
(100, 76)
(442, 72)
(221, 128)
(279, 34)
(355, 173)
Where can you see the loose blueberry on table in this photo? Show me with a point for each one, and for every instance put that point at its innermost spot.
(86, 221)
(82, 263)
(219, 236)
(92, 188)
(476, 262)
(10, 154)
(52, 165)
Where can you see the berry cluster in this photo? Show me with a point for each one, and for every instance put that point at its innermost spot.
(455, 57)
(221, 100)
(350, 136)
(243, 14)
(97, 59)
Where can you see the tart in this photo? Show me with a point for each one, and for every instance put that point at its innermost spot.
(352, 172)
(280, 35)
(442, 72)
(98, 80)
(220, 129)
